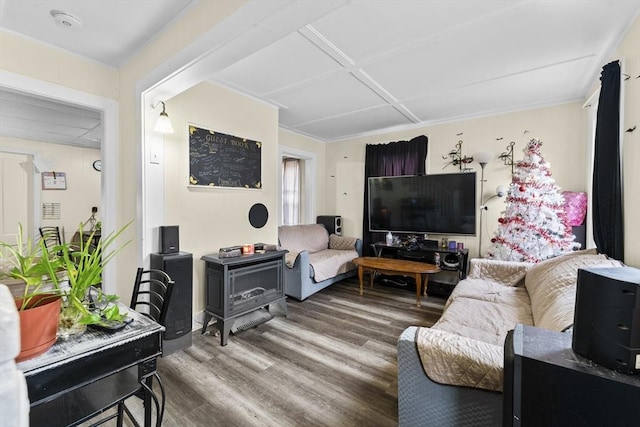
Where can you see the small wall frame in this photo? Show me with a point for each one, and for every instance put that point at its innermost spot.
(54, 181)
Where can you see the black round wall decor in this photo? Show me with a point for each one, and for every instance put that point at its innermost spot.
(258, 215)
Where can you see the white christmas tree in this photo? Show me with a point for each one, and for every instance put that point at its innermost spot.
(534, 226)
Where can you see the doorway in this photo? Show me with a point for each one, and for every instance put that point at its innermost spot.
(108, 110)
(16, 172)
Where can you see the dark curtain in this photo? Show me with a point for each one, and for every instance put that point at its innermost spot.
(607, 186)
(392, 159)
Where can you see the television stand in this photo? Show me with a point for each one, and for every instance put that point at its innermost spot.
(440, 284)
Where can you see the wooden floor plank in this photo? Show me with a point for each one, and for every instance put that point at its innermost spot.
(331, 362)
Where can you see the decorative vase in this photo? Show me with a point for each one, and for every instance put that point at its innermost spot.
(38, 325)
(69, 324)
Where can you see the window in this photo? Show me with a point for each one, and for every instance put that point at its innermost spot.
(290, 191)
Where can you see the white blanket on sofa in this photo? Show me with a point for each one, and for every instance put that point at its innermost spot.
(329, 255)
(466, 346)
(331, 262)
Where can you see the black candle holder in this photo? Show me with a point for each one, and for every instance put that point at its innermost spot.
(457, 159)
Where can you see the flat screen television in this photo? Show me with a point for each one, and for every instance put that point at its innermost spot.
(431, 204)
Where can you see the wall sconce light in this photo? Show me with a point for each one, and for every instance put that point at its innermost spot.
(457, 159)
(163, 125)
(507, 156)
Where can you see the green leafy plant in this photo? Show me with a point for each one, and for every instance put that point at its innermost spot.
(103, 308)
(33, 264)
(84, 265)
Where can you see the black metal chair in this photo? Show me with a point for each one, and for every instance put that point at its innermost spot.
(151, 296)
(152, 291)
(51, 236)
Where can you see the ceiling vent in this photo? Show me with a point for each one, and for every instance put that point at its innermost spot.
(66, 20)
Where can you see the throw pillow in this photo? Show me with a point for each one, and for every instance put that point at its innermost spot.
(508, 273)
(551, 285)
(341, 243)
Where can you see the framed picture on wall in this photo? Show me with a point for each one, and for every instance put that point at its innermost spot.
(218, 160)
(54, 181)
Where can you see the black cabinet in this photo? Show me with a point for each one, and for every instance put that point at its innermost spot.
(547, 384)
(240, 285)
(453, 264)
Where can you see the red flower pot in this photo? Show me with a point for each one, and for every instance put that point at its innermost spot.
(38, 325)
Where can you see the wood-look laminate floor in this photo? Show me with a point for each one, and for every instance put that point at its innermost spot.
(330, 362)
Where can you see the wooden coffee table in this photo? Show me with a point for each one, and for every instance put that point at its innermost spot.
(395, 266)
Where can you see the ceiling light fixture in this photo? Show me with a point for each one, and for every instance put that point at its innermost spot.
(163, 125)
(66, 20)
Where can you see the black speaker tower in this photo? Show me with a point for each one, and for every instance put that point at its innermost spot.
(179, 266)
(333, 223)
(606, 327)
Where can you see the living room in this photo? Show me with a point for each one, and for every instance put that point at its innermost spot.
(156, 193)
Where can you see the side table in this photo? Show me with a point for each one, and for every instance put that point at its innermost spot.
(546, 383)
(82, 376)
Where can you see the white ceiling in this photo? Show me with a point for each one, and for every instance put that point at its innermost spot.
(40, 119)
(369, 65)
(111, 30)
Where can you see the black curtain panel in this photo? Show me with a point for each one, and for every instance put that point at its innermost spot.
(607, 185)
(392, 159)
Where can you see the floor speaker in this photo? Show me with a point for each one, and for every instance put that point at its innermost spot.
(179, 266)
(333, 223)
(169, 239)
(606, 327)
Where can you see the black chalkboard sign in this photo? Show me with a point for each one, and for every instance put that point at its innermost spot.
(220, 160)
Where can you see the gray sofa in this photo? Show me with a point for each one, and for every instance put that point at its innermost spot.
(315, 259)
(452, 373)
(423, 402)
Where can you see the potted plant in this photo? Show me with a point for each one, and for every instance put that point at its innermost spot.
(84, 265)
(33, 268)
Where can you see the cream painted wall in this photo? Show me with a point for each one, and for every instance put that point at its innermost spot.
(211, 218)
(561, 128)
(44, 62)
(83, 182)
(26, 57)
(177, 36)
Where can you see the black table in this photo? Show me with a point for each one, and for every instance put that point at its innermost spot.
(81, 377)
(547, 384)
